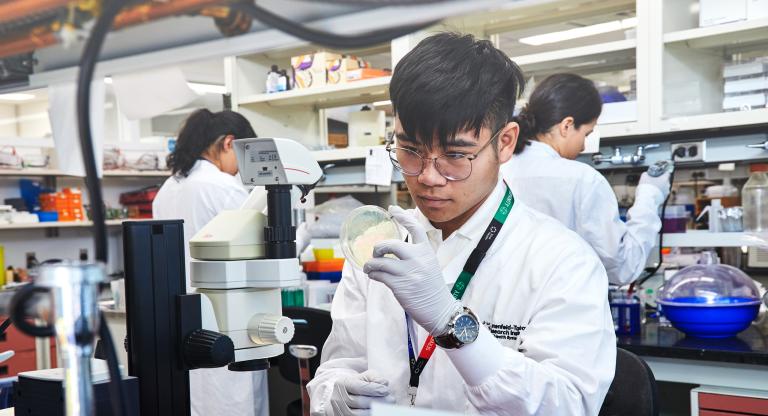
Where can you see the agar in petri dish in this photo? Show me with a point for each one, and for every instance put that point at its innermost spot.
(363, 228)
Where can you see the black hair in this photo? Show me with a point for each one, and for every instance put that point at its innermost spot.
(557, 97)
(202, 129)
(451, 83)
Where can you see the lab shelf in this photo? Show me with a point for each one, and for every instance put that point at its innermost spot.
(355, 92)
(608, 54)
(346, 153)
(737, 33)
(30, 172)
(137, 173)
(352, 189)
(712, 121)
(55, 224)
(107, 173)
(704, 238)
(619, 129)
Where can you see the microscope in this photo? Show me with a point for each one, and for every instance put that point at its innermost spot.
(242, 260)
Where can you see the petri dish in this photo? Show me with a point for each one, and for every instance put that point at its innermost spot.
(363, 228)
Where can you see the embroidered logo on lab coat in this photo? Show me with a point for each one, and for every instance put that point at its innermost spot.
(505, 332)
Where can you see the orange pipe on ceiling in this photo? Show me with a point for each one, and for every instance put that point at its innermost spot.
(28, 42)
(148, 12)
(42, 36)
(13, 10)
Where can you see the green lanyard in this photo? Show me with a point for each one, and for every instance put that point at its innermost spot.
(459, 287)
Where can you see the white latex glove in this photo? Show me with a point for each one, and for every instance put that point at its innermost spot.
(353, 395)
(414, 276)
(661, 182)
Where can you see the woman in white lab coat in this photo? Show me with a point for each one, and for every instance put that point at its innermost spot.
(561, 112)
(203, 183)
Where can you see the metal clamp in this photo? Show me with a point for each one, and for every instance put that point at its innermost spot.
(618, 159)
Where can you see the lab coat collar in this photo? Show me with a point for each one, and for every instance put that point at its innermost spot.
(474, 228)
(201, 165)
(540, 148)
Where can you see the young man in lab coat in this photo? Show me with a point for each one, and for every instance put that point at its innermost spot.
(526, 328)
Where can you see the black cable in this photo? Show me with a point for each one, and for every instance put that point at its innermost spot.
(324, 38)
(18, 312)
(92, 182)
(4, 326)
(639, 282)
(87, 66)
(115, 379)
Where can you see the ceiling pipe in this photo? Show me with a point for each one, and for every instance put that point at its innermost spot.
(40, 37)
(44, 36)
(146, 12)
(14, 10)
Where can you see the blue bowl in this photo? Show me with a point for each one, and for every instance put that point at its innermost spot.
(697, 318)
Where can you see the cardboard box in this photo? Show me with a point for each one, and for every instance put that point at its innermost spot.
(310, 71)
(338, 69)
(718, 12)
(338, 140)
(366, 73)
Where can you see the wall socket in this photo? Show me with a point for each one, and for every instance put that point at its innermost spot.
(692, 151)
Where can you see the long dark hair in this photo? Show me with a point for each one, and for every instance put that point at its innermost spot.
(557, 97)
(202, 129)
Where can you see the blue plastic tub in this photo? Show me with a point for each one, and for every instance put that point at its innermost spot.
(333, 277)
(47, 216)
(697, 318)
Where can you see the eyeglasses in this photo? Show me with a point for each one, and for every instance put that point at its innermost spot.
(452, 166)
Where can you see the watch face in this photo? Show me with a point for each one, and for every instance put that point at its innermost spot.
(466, 329)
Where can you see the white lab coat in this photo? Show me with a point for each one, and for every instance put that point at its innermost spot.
(540, 288)
(580, 197)
(197, 199)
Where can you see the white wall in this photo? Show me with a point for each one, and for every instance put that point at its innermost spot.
(33, 119)
(8, 120)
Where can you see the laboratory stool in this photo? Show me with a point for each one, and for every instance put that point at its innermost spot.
(633, 391)
(312, 328)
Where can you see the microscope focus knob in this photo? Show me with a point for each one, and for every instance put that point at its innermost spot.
(266, 329)
(208, 349)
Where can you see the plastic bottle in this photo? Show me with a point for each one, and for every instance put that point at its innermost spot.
(283, 83)
(273, 79)
(754, 201)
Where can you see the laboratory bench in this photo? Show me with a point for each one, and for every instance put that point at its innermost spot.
(732, 367)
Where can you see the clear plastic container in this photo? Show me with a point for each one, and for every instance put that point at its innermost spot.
(362, 229)
(675, 219)
(710, 300)
(754, 200)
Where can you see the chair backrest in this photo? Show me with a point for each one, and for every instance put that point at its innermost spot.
(633, 391)
(312, 328)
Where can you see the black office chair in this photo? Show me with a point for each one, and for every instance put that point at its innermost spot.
(312, 328)
(633, 391)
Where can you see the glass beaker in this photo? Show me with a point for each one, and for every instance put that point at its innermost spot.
(754, 200)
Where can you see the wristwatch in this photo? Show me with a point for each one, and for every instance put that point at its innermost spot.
(463, 329)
